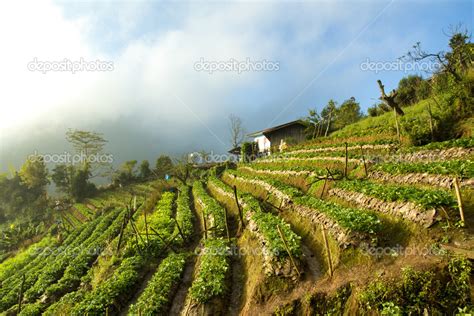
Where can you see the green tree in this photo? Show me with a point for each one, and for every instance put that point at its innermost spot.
(348, 113)
(164, 165)
(80, 185)
(62, 177)
(34, 174)
(328, 113)
(90, 148)
(315, 124)
(145, 171)
(409, 90)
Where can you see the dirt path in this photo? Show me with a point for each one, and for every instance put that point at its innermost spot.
(179, 299)
(147, 276)
(237, 290)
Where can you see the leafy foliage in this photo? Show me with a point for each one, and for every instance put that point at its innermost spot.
(109, 294)
(462, 168)
(184, 215)
(426, 198)
(211, 209)
(267, 224)
(156, 297)
(214, 264)
(349, 218)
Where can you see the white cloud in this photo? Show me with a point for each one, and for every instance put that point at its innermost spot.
(154, 68)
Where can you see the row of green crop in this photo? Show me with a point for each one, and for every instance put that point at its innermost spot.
(184, 215)
(55, 269)
(462, 168)
(329, 142)
(267, 223)
(108, 295)
(160, 221)
(11, 286)
(466, 142)
(425, 198)
(84, 210)
(211, 209)
(349, 218)
(112, 295)
(23, 258)
(210, 280)
(55, 281)
(307, 164)
(83, 261)
(156, 297)
(214, 265)
(316, 171)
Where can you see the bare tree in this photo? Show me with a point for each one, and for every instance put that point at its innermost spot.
(237, 132)
(390, 101)
(453, 62)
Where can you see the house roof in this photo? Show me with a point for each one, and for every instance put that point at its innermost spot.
(275, 128)
(235, 150)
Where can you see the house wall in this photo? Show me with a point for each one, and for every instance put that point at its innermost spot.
(263, 143)
(295, 132)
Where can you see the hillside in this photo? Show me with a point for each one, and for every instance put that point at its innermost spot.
(351, 224)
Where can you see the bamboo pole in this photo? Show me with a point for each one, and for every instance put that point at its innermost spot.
(146, 226)
(328, 251)
(363, 160)
(288, 250)
(459, 198)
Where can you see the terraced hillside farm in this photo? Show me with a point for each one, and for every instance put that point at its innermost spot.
(325, 228)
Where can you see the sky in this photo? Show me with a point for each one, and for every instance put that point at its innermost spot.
(154, 93)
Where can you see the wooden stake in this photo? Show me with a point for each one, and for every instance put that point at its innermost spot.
(122, 229)
(431, 121)
(241, 216)
(397, 126)
(20, 296)
(146, 227)
(226, 224)
(346, 163)
(328, 251)
(324, 187)
(288, 250)
(458, 195)
(363, 160)
(330, 173)
(179, 229)
(166, 243)
(205, 224)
